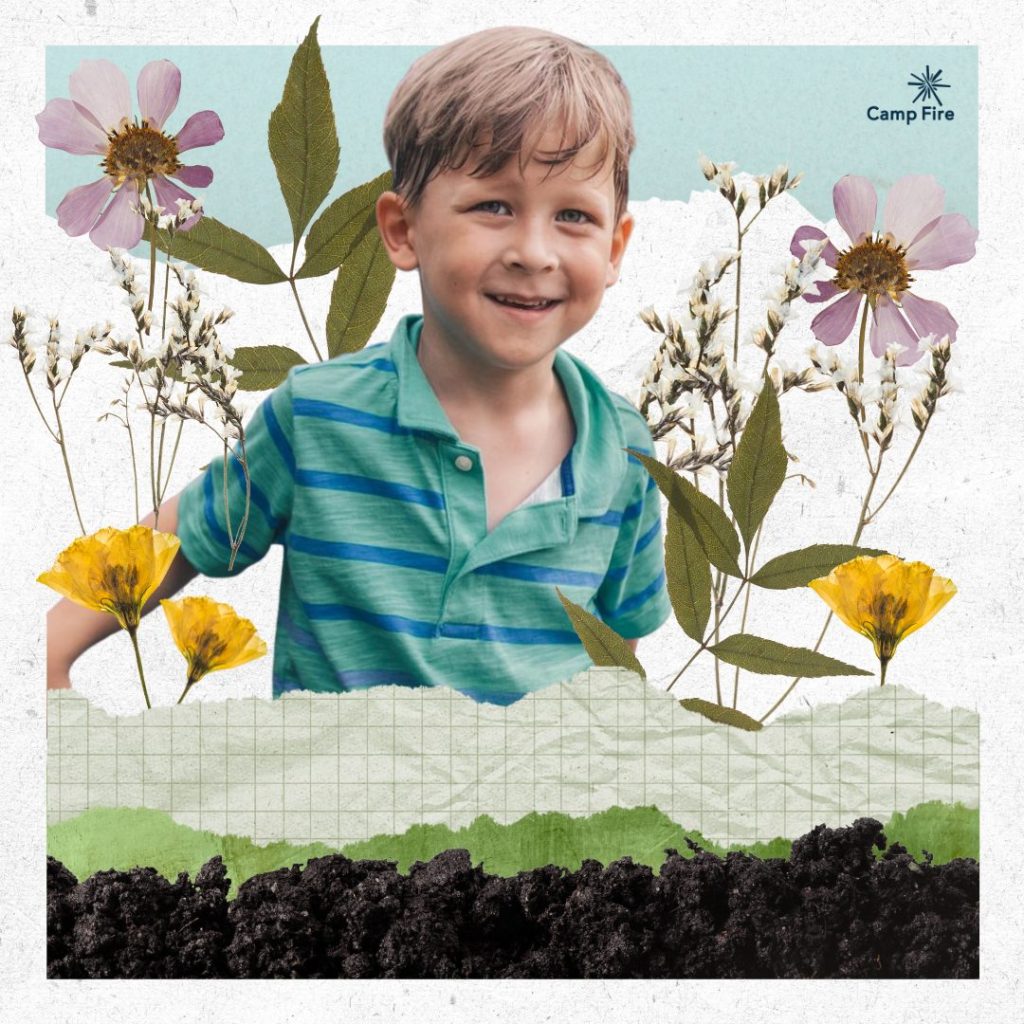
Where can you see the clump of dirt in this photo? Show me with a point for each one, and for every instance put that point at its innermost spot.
(833, 910)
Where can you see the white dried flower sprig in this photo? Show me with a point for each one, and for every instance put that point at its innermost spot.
(937, 385)
(60, 362)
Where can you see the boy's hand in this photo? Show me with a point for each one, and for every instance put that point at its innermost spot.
(72, 629)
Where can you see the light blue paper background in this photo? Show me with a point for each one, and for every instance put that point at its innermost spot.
(756, 105)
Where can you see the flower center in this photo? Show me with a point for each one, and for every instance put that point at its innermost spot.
(874, 267)
(886, 624)
(139, 152)
(121, 584)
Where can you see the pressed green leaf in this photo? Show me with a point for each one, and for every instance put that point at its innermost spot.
(264, 366)
(359, 296)
(759, 465)
(213, 246)
(302, 136)
(602, 643)
(798, 568)
(341, 227)
(756, 654)
(705, 517)
(123, 364)
(723, 715)
(689, 576)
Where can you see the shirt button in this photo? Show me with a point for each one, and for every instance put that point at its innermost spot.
(463, 462)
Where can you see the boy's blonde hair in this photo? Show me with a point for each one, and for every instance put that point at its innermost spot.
(496, 91)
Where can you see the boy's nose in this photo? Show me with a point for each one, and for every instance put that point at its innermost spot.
(530, 247)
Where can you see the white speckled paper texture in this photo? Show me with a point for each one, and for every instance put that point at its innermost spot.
(959, 509)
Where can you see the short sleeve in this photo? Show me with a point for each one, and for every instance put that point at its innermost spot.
(269, 456)
(633, 599)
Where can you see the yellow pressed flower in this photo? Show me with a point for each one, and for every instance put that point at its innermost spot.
(884, 598)
(114, 570)
(211, 636)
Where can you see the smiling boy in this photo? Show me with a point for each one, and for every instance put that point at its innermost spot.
(432, 492)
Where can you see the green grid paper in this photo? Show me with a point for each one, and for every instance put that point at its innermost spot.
(340, 769)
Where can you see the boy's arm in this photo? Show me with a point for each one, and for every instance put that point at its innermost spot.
(71, 629)
(631, 644)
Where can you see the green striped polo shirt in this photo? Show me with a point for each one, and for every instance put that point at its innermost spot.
(389, 572)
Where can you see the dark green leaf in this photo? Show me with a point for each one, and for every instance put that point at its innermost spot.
(689, 576)
(798, 568)
(755, 654)
(171, 372)
(759, 465)
(705, 517)
(723, 715)
(264, 366)
(602, 643)
(302, 136)
(215, 247)
(340, 228)
(359, 296)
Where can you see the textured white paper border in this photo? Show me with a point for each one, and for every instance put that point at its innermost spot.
(992, 492)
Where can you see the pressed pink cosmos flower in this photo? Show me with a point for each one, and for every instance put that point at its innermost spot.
(98, 119)
(917, 235)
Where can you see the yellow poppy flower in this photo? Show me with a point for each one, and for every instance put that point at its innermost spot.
(114, 570)
(884, 598)
(211, 636)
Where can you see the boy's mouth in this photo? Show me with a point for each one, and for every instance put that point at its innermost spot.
(523, 302)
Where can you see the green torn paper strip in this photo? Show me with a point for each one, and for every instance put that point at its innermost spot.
(340, 769)
(151, 839)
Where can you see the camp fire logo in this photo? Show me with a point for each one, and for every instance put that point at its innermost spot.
(927, 85)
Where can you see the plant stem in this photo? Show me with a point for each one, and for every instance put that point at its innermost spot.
(298, 302)
(174, 455)
(860, 343)
(861, 523)
(64, 456)
(706, 642)
(189, 683)
(884, 662)
(736, 313)
(896, 483)
(138, 661)
(751, 555)
(131, 445)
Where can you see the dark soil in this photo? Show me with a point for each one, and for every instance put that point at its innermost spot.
(833, 910)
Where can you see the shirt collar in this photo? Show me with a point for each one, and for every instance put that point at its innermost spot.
(598, 456)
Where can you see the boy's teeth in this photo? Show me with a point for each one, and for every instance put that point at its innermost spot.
(504, 300)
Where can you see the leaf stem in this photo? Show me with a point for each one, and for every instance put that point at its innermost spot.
(298, 302)
(751, 555)
(707, 641)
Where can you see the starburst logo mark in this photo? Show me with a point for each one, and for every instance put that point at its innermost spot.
(928, 85)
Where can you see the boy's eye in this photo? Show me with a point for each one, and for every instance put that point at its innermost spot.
(491, 206)
(575, 216)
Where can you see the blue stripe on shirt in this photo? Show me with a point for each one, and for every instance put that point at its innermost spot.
(367, 553)
(638, 599)
(540, 574)
(451, 630)
(369, 485)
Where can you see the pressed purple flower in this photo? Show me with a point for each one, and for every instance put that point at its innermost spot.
(98, 119)
(876, 268)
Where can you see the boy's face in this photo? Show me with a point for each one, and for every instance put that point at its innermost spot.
(513, 264)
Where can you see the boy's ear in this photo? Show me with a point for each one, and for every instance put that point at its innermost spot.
(620, 239)
(395, 227)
